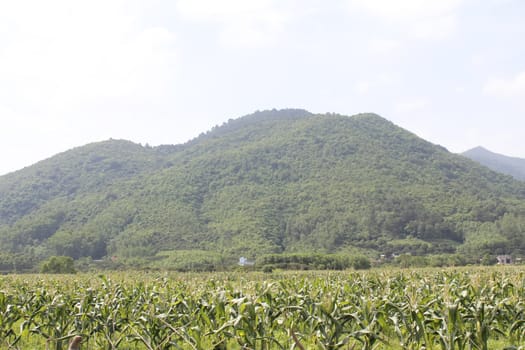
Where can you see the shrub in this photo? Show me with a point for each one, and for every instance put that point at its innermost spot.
(58, 264)
(360, 263)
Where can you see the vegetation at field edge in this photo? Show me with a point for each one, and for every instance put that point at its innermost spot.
(468, 308)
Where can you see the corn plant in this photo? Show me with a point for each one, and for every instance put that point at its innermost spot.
(10, 314)
(470, 309)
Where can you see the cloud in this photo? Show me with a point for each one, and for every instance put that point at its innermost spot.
(412, 105)
(88, 50)
(418, 19)
(513, 87)
(378, 82)
(459, 90)
(66, 65)
(437, 28)
(406, 10)
(254, 23)
(363, 87)
(383, 46)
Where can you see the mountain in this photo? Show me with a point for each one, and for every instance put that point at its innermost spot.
(498, 162)
(273, 182)
(87, 169)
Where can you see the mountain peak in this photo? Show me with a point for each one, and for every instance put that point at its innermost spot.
(498, 162)
(478, 150)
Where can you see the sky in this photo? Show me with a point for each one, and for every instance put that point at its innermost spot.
(163, 71)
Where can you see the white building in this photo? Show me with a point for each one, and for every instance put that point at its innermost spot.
(245, 262)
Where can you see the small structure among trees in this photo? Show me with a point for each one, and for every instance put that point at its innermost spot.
(245, 262)
(504, 259)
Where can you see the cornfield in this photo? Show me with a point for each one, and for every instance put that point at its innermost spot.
(423, 309)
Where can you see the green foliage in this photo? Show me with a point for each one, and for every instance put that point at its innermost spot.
(190, 260)
(270, 183)
(488, 260)
(475, 308)
(304, 261)
(58, 264)
(360, 263)
(17, 262)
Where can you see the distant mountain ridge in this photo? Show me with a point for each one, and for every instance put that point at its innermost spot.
(278, 181)
(504, 164)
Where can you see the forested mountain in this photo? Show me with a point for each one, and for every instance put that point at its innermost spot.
(87, 169)
(271, 182)
(507, 165)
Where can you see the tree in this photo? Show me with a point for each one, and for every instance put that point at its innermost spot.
(360, 263)
(58, 264)
(488, 260)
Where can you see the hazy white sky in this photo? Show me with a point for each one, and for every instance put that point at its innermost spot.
(162, 71)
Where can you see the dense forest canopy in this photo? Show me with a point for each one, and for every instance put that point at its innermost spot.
(274, 182)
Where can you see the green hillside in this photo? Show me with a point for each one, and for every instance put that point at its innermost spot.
(507, 165)
(269, 183)
(87, 169)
